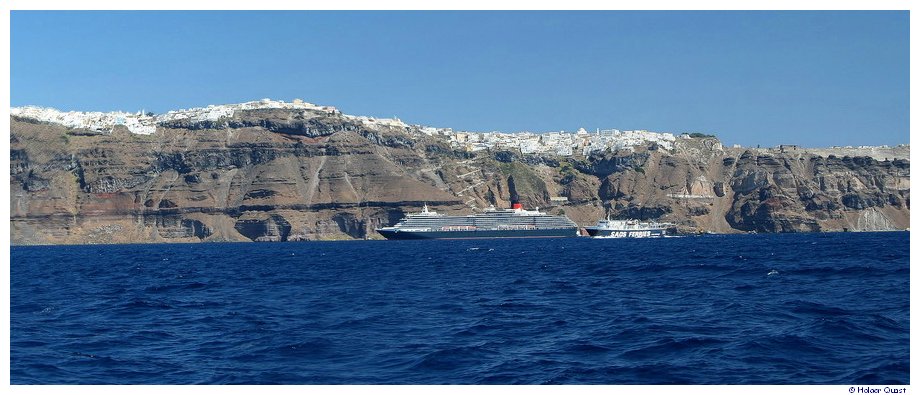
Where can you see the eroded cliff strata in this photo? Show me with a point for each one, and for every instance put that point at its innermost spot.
(283, 175)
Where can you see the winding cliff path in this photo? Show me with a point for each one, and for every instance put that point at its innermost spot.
(313, 185)
(169, 186)
(225, 182)
(352, 186)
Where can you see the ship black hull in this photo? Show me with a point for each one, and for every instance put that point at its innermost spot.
(632, 233)
(477, 234)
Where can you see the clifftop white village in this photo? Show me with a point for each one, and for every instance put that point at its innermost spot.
(559, 143)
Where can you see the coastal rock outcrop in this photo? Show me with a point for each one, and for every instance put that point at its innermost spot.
(285, 175)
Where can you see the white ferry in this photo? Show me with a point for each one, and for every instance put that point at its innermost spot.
(630, 228)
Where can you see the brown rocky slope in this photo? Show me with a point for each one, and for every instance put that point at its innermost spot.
(279, 175)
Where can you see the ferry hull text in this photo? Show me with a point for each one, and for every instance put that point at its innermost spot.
(614, 234)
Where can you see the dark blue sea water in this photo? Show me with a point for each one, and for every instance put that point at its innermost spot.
(772, 309)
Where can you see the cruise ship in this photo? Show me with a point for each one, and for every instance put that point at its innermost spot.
(631, 228)
(492, 222)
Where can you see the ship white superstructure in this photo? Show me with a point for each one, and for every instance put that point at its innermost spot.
(491, 222)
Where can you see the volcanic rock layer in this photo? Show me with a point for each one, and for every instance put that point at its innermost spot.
(284, 175)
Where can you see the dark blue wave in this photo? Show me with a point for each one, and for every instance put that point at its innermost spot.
(744, 309)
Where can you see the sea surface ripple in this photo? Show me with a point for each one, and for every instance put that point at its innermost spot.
(719, 309)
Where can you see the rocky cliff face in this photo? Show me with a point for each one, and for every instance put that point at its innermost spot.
(281, 175)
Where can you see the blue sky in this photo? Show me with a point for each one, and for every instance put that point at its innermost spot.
(808, 78)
